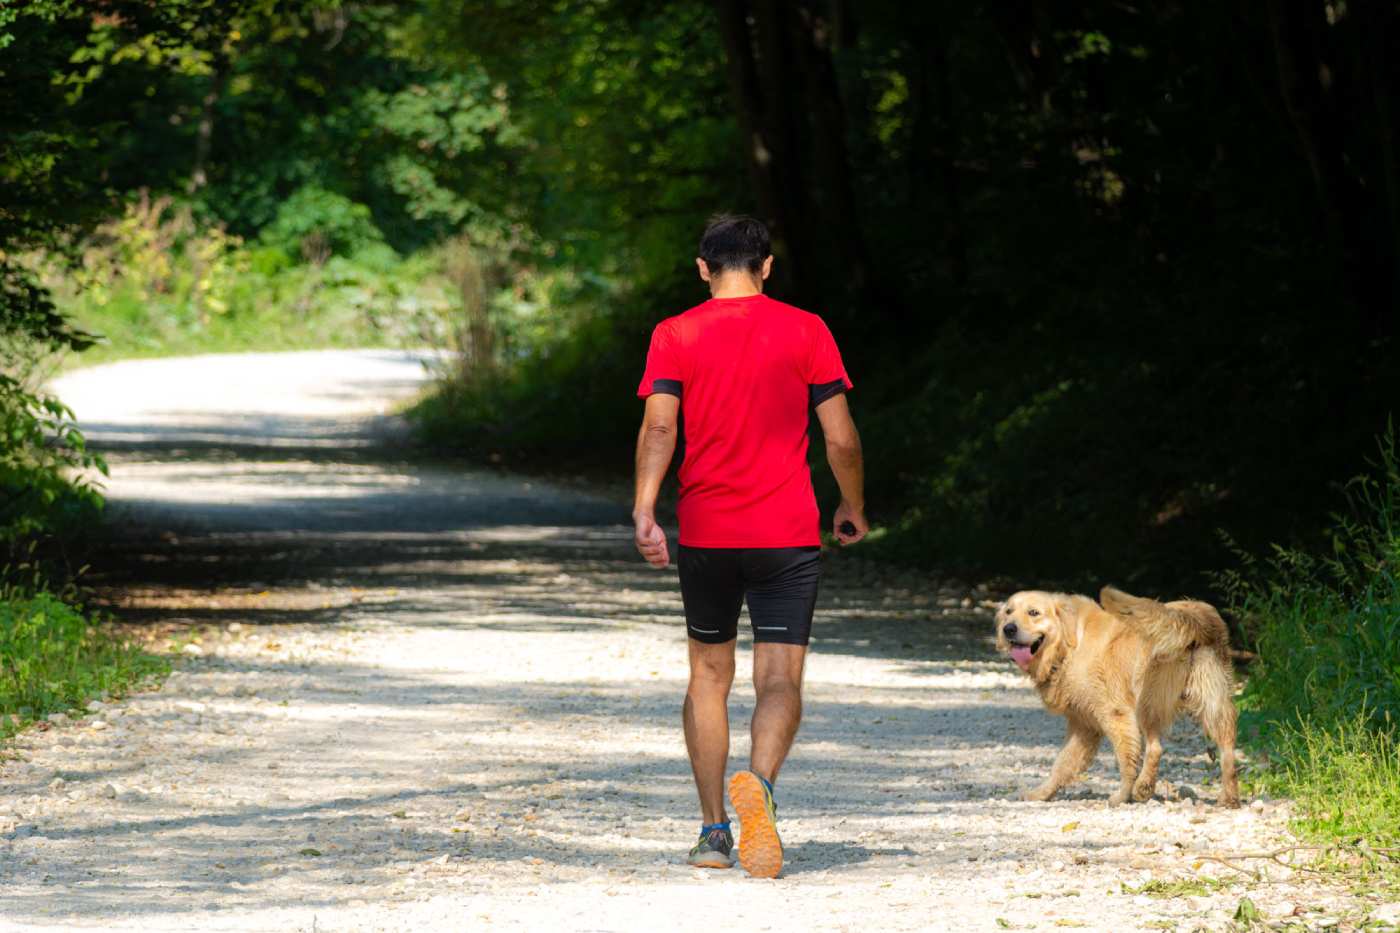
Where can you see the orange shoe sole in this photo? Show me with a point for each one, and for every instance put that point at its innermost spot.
(760, 849)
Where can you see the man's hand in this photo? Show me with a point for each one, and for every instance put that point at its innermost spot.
(651, 540)
(846, 513)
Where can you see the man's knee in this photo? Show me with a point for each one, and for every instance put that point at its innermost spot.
(775, 687)
(778, 668)
(712, 664)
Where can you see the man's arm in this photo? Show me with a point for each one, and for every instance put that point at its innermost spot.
(847, 464)
(656, 442)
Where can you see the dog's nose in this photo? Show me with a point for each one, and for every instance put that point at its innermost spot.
(1009, 630)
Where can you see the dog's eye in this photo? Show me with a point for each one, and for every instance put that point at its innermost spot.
(1032, 612)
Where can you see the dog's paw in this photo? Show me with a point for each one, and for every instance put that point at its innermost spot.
(1143, 792)
(1229, 801)
(1119, 797)
(1036, 794)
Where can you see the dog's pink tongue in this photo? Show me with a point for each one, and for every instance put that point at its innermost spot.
(1021, 654)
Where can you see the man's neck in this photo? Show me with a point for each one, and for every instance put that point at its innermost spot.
(735, 285)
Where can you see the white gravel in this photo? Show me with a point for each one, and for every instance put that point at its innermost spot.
(430, 699)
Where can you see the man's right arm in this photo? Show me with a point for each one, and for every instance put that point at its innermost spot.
(843, 453)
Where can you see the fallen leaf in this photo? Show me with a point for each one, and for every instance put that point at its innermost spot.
(1069, 827)
(310, 851)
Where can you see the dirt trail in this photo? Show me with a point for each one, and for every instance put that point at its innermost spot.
(441, 699)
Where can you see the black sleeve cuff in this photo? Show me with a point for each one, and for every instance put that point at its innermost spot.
(666, 387)
(825, 391)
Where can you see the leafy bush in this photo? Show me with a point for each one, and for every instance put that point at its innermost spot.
(1327, 629)
(53, 659)
(563, 376)
(44, 463)
(1344, 778)
(316, 224)
(157, 281)
(40, 446)
(1323, 698)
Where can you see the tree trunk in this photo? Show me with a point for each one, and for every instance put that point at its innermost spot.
(1353, 222)
(763, 155)
(784, 86)
(204, 130)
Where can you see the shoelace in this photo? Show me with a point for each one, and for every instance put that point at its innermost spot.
(717, 840)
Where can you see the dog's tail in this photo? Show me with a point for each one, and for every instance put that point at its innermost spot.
(1170, 628)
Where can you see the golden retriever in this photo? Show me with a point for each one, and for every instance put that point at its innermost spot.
(1123, 669)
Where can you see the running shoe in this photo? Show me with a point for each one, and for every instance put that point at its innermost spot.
(714, 850)
(760, 849)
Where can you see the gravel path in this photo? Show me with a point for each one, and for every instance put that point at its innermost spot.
(416, 698)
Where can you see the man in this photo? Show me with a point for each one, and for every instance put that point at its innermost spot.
(736, 378)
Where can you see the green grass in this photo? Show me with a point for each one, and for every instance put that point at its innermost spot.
(1322, 703)
(345, 303)
(54, 659)
(1344, 778)
(155, 282)
(1178, 887)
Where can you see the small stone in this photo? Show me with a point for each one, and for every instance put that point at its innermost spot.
(193, 651)
(95, 705)
(99, 724)
(57, 719)
(1257, 806)
(108, 791)
(56, 783)
(1387, 914)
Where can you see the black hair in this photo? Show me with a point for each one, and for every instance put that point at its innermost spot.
(734, 241)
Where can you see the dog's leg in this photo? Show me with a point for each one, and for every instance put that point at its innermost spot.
(1220, 726)
(1209, 692)
(1146, 784)
(1122, 732)
(1156, 708)
(1081, 744)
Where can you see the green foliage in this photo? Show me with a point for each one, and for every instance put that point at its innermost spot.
(316, 224)
(156, 281)
(1324, 695)
(1344, 777)
(40, 446)
(1327, 629)
(53, 659)
(1203, 886)
(45, 466)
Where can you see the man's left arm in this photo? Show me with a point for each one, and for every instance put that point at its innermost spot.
(656, 443)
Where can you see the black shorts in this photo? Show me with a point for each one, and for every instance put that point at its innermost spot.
(780, 583)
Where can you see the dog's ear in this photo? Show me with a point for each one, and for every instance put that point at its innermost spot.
(1067, 615)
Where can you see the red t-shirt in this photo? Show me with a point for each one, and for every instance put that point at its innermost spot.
(747, 372)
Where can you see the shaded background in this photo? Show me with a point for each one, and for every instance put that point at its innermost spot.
(1111, 278)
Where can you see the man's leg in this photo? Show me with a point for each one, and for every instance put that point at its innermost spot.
(777, 681)
(706, 719)
(782, 594)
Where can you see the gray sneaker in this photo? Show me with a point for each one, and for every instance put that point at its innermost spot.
(714, 850)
